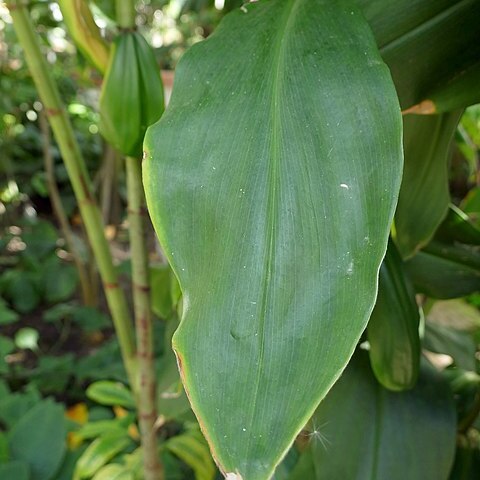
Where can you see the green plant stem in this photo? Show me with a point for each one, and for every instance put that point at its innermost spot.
(143, 320)
(125, 13)
(77, 172)
(88, 295)
(141, 294)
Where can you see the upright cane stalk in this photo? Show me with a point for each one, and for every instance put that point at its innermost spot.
(143, 320)
(125, 11)
(77, 172)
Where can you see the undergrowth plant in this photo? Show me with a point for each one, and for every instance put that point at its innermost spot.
(322, 295)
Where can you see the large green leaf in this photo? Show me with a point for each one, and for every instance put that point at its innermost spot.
(39, 439)
(14, 470)
(384, 431)
(443, 34)
(424, 195)
(271, 181)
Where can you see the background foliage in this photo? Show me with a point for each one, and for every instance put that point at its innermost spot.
(60, 366)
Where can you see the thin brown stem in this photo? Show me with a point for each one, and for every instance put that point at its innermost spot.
(87, 294)
(147, 414)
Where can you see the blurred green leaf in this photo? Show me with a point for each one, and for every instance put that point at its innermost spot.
(467, 463)
(111, 393)
(424, 195)
(192, 448)
(110, 427)
(90, 319)
(15, 470)
(53, 373)
(15, 405)
(4, 450)
(59, 280)
(68, 465)
(445, 271)
(459, 345)
(455, 313)
(99, 452)
(287, 465)
(305, 467)
(392, 330)
(458, 227)
(441, 33)
(6, 347)
(113, 472)
(58, 312)
(41, 238)
(20, 288)
(104, 362)
(39, 439)
(471, 205)
(362, 431)
(7, 316)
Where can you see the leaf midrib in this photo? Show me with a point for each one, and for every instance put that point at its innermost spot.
(272, 179)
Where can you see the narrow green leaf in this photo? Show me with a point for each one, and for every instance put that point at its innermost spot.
(458, 227)
(460, 91)
(384, 431)
(96, 429)
(392, 330)
(111, 393)
(99, 452)
(284, 167)
(193, 450)
(467, 464)
(113, 472)
(445, 271)
(442, 33)
(39, 439)
(424, 194)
